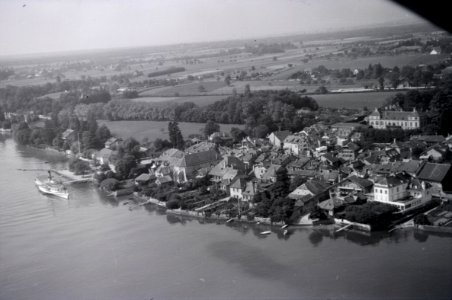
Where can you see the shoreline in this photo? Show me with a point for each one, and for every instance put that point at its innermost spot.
(337, 224)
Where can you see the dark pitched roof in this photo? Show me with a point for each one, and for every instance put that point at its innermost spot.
(409, 167)
(281, 135)
(365, 183)
(429, 138)
(433, 172)
(398, 115)
(316, 186)
(198, 158)
(328, 156)
(299, 163)
(239, 183)
(389, 181)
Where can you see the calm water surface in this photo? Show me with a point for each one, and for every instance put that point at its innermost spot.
(90, 247)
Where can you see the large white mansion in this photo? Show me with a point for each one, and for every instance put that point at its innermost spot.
(393, 117)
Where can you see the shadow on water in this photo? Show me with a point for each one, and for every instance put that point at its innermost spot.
(249, 259)
(105, 199)
(315, 235)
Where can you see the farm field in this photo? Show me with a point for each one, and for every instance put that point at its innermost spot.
(155, 129)
(198, 100)
(184, 89)
(354, 100)
(361, 62)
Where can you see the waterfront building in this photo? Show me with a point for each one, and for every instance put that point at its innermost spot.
(237, 188)
(400, 192)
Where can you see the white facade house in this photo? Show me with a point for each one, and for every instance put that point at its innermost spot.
(403, 194)
(296, 144)
(237, 188)
(405, 119)
(277, 138)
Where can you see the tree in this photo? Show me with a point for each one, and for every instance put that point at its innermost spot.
(201, 89)
(160, 144)
(173, 204)
(227, 80)
(175, 135)
(237, 134)
(89, 140)
(394, 79)
(124, 166)
(103, 134)
(247, 90)
(211, 127)
(79, 166)
(261, 131)
(109, 184)
(381, 83)
(422, 219)
(22, 134)
(58, 142)
(321, 90)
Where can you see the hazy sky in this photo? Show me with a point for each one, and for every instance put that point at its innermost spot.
(28, 26)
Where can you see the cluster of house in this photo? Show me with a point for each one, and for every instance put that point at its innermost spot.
(334, 170)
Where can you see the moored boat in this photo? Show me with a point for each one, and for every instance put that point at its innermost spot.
(266, 232)
(47, 185)
(58, 190)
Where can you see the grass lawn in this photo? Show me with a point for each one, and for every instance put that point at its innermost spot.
(155, 129)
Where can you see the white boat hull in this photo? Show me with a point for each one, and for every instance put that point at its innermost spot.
(48, 190)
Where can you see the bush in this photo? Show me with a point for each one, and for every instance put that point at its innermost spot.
(173, 204)
(109, 184)
(422, 220)
(79, 166)
(372, 213)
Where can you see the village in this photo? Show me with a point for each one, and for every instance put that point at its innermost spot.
(319, 175)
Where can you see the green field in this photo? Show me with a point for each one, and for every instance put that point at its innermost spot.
(198, 100)
(361, 62)
(188, 89)
(353, 100)
(155, 129)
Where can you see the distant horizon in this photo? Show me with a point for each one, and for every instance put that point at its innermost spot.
(52, 26)
(83, 51)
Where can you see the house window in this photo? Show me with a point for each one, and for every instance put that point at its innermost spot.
(386, 191)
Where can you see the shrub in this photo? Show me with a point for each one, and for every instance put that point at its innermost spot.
(79, 166)
(173, 204)
(109, 184)
(422, 220)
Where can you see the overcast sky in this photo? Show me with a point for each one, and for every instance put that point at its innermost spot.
(28, 26)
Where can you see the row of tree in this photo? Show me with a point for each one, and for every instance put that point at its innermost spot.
(87, 132)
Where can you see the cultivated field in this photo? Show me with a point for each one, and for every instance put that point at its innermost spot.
(360, 62)
(198, 100)
(156, 129)
(185, 89)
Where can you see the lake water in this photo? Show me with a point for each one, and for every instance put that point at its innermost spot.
(90, 247)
